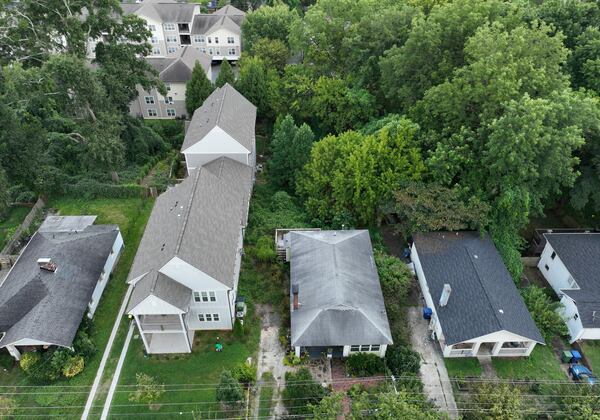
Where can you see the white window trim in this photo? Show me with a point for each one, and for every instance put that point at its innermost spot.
(230, 40)
(370, 348)
(171, 50)
(149, 100)
(171, 114)
(169, 26)
(152, 112)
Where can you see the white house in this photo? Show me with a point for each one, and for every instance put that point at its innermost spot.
(58, 277)
(570, 262)
(477, 309)
(336, 302)
(175, 70)
(219, 34)
(222, 126)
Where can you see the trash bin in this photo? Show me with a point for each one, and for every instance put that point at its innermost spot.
(427, 312)
(566, 356)
(575, 356)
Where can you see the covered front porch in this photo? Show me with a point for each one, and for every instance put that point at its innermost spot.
(166, 333)
(498, 349)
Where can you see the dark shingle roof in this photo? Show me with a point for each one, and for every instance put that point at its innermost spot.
(199, 221)
(178, 66)
(227, 109)
(339, 291)
(484, 298)
(46, 306)
(580, 253)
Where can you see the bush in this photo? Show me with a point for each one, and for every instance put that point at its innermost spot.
(544, 312)
(244, 373)
(29, 361)
(402, 360)
(364, 364)
(73, 367)
(7, 406)
(301, 390)
(395, 277)
(265, 249)
(238, 329)
(147, 391)
(229, 391)
(90, 189)
(83, 344)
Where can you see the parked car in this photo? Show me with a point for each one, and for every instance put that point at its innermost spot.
(583, 374)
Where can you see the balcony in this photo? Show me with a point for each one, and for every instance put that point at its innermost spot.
(160, 323)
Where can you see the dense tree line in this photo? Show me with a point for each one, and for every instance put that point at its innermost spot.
(496, 103)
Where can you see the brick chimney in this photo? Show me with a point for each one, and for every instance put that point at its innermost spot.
(47, 264)
(295, 290)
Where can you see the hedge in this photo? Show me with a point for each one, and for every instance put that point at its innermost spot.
(90, 189)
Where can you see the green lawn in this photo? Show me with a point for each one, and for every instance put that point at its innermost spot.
(12, 220)
(541, 365)
(463, 367)
(591, 351)
(266, 395)
(68, 397)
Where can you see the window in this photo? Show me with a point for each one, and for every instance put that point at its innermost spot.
(572, 283)
(216, 40)
(553, 255)
(203, 50)
(210, 51)
(149, 100)
(208, 317)
(152, 113)
(209, 40)
(199, 39)
(215, 317)
(168, 85)
(154, 40)
(171, 39)
(546, 267)
(374, 347)
(168, 100)
(201, 317)
(171, 50)
(170, 112)
(212, 296)
(576, 317)
(218, 51)
(197, 299)
(230, 40)
(231, 51)
(355, 347)
(204, 296)
(156, 51)
(152, 28)
(365, 347)
(169, 26)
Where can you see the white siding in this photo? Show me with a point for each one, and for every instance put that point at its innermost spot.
(571, 316)
(557, 274)
(414, 257)
(107, 270)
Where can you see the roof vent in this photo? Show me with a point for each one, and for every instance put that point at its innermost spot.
(445, 294)
(47, 264)
(475, 256)
(501, 311)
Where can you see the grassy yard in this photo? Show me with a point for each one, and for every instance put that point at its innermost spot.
(66, 398)
(542, 365)
(12, 220)
(463, 367)
(266, 395)
(591, 351)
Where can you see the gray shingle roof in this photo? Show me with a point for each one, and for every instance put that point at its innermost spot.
(47, 306)
(206, 24)
(230, 10)
(340, 296)
(178, 66)
(484, 298)
(580, 253)
(163, 287)
(227, 109)
(199, 221)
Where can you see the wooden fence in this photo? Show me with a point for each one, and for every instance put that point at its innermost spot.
(12, 242)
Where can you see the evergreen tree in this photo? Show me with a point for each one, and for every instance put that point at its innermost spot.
(253, 81)
(225, 75)
(198, 88)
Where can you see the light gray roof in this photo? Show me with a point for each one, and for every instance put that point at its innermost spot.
(206, 24)
(178, 66)
(227, 109)
(199, 221)
(580, 253)
(230, 10)
(164, 288)
(66, 223)
(165, 12)
(46, 306)
(340, 296)
(484, 298)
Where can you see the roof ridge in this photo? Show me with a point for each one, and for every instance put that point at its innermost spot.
(187, 211)
(375, 325)
(221, 106)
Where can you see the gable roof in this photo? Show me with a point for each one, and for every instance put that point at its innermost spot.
(340, 296)
(484, 298)
(177, 67)
(206, 24)
(199, 221)
(164, 288)
(167, 12)
(48, 306)
(225, 108)
(229, 10)
(580, 253)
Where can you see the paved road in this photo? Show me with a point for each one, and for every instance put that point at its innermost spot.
(434, 375)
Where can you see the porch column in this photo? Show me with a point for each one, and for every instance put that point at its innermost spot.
(476, 348)
(346, 351)
(382, 350)
(14, 352)
(187, 340)
(297, 350)
(137, 321)
(530, 348)
(497, 347)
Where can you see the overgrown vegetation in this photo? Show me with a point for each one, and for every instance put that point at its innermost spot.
(545, 312)
(364, 364)
(301, 391)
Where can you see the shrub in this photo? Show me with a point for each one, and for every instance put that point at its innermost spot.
(83, 344)
(364, 364)
(301, 390)
(89, 189)
(73, 367)
(244, 373)
(265, 249)
(147, 391)
(29, 361)
(238, 329)
(545, 312)
(58, 360)
(394, 275)
(402, 360)
(229, 391)
(7, 407)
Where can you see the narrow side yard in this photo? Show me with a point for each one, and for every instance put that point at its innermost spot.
(66, 398)
(9, 224)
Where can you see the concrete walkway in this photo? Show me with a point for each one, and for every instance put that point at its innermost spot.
(107, 349)
(434, 375)
(487, 368)
(115, 380)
